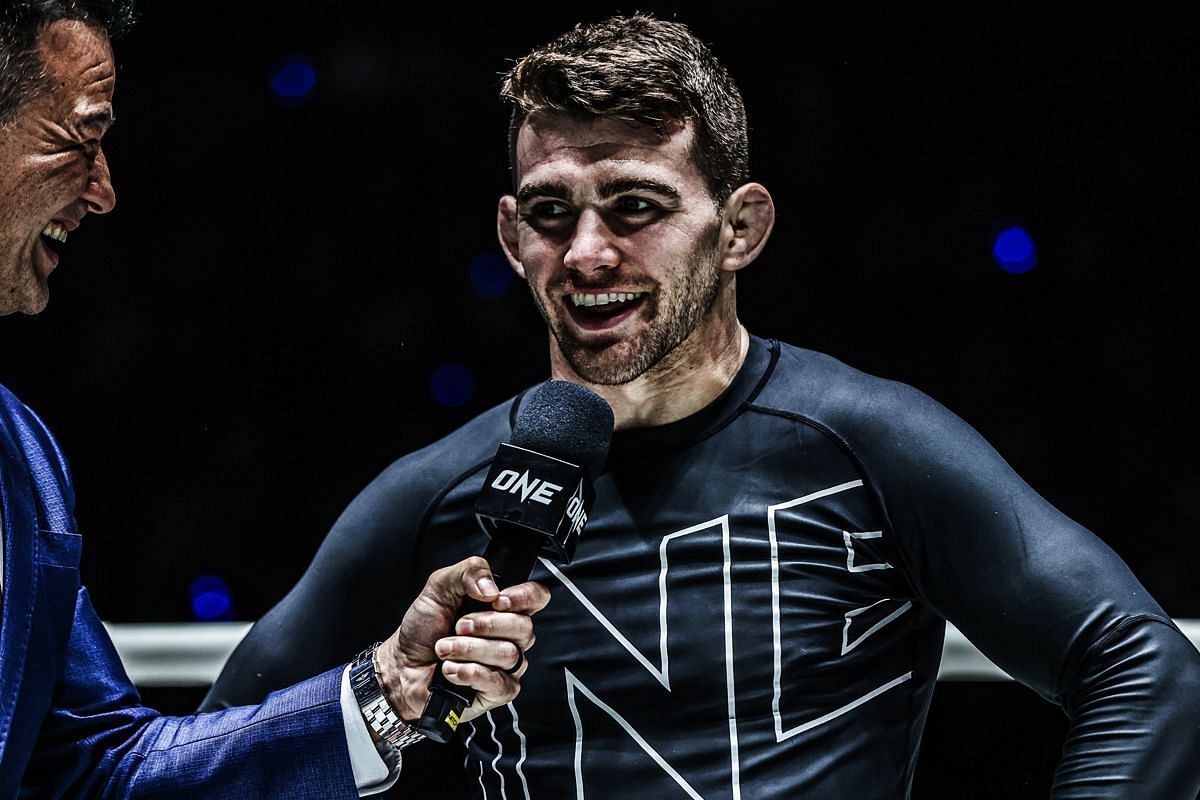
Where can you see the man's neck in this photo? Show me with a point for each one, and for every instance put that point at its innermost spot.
(687, 380)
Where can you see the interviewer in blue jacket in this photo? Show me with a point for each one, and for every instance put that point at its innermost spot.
(71, 724)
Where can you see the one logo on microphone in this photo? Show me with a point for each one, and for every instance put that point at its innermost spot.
(535, 489)
(577, 511)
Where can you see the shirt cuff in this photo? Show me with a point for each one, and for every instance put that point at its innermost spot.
(375, 766)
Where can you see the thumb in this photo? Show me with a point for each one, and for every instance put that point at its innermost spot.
(471, 577)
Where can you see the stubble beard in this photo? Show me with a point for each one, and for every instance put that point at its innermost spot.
(676, 315)
(22, 288)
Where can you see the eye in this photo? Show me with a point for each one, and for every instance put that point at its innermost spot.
(548, 215)
(549, 209)
(630, 204)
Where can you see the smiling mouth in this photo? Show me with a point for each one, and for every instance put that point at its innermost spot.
(54, 236)
(604, 310)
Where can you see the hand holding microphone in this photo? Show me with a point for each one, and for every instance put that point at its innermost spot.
(480, 649)
(534, 503)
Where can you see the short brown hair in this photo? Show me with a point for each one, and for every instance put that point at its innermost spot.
(644, 70)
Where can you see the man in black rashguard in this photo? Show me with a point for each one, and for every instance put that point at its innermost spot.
(756, 607)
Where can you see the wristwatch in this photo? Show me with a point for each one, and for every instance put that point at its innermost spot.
(380, 715)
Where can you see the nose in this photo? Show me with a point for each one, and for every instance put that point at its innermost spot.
(593, 246)
(99, 193)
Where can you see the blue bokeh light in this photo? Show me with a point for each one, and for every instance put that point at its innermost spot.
(211, 599)
(452, 385)
(1014, 250)
(491, 275)
(293, 79)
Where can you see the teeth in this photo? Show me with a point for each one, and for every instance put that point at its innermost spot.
(55, 231)
(603, 299)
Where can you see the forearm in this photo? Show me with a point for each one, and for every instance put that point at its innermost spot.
(293, 745)
(97, 741)
(1135, 718)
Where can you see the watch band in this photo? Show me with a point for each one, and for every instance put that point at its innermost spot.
(380, 715)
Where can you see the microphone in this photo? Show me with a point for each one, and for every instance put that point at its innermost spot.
(534, 502)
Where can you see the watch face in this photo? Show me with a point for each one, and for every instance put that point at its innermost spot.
(362, 678)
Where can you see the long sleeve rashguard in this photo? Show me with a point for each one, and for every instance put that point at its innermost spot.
(757, 603)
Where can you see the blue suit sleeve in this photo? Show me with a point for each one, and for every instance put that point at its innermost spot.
(98, 741)
(94, 739)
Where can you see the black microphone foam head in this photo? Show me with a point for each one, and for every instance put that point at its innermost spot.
(566, 421)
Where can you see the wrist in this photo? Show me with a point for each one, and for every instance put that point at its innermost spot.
(390, 671)
(383, 720)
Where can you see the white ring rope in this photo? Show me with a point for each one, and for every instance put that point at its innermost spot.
(192, 653)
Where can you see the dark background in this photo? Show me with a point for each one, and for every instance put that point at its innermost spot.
(250, 337)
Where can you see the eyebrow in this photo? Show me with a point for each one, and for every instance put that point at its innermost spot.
(606, 189)
(545, 189)
(623, 185)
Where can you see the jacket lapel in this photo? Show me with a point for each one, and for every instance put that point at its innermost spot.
(19, 519)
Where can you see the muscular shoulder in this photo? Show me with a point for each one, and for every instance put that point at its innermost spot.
(928, 467)
(433, 468)
(394, 507)
(864, 411)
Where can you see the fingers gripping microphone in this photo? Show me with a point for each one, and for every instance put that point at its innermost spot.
(534, 502)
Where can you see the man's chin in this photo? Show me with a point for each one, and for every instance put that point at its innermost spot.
(604, 365)
(23, 300)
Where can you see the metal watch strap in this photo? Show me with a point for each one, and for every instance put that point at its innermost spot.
(375, 707)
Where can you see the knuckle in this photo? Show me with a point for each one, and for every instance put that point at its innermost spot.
(482, 624)
(452, 651)
(468, 673)
(437, 576)
(474, 563)
(462, 648)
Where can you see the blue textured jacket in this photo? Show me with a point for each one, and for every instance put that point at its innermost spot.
(71, 723)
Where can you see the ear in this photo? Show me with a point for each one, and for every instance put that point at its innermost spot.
(506, 228)
(749, 218)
